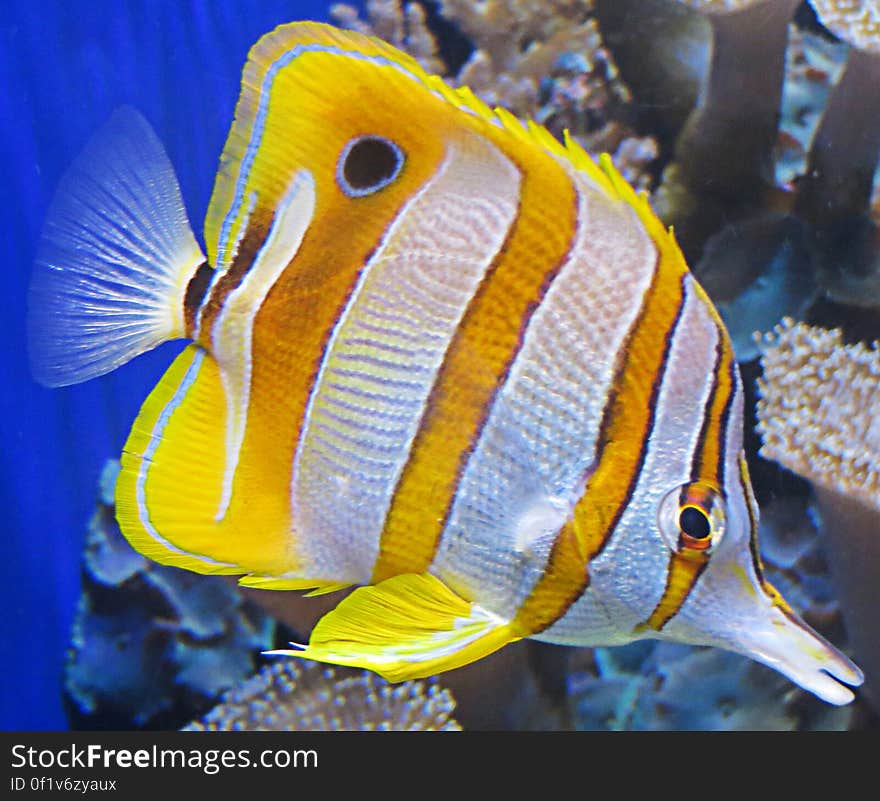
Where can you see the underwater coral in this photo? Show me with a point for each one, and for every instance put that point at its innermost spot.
(544, 61)
(308, 696)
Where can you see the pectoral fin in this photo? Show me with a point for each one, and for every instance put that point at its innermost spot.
(406, 627)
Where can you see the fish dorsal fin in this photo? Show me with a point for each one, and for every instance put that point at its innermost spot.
(234, 197)
(407, 627)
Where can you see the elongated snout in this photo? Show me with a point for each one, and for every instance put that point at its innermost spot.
(781, 640)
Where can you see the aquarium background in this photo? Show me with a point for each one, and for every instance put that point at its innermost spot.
(95, 636)
(64, 66)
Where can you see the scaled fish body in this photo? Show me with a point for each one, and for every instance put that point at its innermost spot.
(436, 354)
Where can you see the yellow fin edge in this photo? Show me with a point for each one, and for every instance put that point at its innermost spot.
(604, 173)
(133, 519)
(316, 586)
(407, 627)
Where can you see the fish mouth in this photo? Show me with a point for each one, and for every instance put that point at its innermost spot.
(787, 644)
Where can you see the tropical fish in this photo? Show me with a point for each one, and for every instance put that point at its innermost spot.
(435, 353)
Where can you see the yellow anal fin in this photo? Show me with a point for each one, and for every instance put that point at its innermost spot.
(407, 627)
(170, 486)
(316, 586)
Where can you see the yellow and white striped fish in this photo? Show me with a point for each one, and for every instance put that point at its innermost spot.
(434, 353)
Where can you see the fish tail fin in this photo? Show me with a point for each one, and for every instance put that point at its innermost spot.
(115, 258)
(409, 626)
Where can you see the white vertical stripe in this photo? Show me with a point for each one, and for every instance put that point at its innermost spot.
(233, 329)
(217, 274)
(384, 354)
(527, 470)
(628, 578)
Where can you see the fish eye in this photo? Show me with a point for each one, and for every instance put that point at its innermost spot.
(694, 524)
(368, 163)
(691, 518)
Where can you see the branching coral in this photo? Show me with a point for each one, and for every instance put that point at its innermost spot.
(819, 411)
(402, 26)
(519, 41)
(547, 61)
(307, 696)
(819, 415)
(540, 60)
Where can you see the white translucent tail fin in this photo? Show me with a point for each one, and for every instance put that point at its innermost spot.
(116, 255)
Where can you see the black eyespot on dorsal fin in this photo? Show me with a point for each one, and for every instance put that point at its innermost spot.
(367, 164)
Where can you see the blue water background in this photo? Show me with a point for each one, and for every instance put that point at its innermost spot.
(64, 67)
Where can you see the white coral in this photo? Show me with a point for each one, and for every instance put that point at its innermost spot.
(308, 696)
(819, 411)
